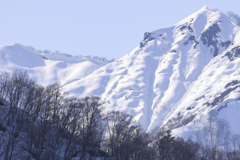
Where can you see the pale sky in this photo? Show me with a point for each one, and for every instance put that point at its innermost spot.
(107, 28)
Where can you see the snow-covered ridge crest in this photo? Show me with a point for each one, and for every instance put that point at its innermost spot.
(46, 68)
(65, 56)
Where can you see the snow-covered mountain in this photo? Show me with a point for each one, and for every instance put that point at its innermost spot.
(176, 75)
(174, 78)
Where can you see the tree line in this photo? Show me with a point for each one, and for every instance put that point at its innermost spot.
(40, 123)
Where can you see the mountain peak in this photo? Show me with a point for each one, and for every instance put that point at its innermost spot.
(205, 15)
(201, 21)
(209, 8)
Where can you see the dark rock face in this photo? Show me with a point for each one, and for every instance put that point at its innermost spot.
(233, 83)
(210, 37)
(200, 98)
(223, 106)
(226, 44)
(235, 52)
(146, 38)
(189, 108)
(174, 50)
(186, 27)
(226, 104)
(183, 28)
(179, 121)
(219, 99)
(190, 28)
(231, 87)
(192, 38)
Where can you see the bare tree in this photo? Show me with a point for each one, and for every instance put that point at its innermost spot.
(70, 116)
(125, 139)
(91, 126)
(235, 139)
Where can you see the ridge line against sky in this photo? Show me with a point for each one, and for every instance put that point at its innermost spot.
(104, 28)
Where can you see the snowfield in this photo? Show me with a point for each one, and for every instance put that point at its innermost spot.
(173, 79)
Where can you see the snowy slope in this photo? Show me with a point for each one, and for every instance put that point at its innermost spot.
(176, 75)
(45, 69)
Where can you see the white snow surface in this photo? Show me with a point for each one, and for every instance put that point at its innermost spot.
(45, 69)
(174, 78)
